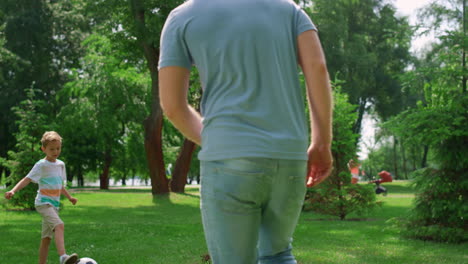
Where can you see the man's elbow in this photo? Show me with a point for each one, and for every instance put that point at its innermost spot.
(171, 111)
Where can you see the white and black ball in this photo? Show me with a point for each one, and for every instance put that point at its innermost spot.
(86, 261)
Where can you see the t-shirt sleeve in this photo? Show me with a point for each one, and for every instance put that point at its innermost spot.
(36, 173)
(173, 48)
(303, 22)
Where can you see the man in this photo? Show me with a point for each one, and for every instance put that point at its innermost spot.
(255, 150)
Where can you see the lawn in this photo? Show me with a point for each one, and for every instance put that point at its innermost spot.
(130, 226)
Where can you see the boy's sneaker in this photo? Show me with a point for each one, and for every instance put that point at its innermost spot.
(69, 259)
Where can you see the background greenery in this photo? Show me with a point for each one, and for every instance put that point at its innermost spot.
(88, 69)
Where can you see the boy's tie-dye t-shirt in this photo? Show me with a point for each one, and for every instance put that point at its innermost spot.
(50, 177)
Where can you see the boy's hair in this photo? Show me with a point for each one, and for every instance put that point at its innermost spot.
(50, 136)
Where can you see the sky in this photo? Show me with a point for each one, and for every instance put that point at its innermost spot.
(406, 8)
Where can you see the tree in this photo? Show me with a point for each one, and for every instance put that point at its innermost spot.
(153, 123)
(440, 121)
(136, 26)
(367, 46)
(32, 124)
(39, 42)
(337, 196)
(110, 94)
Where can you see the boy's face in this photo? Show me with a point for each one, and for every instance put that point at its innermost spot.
(52, 150)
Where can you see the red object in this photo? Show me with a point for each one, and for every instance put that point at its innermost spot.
(385, 176)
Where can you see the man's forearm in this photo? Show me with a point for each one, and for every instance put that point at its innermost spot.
(188, 121)
(313, 64)
(320, 106)
(173, 89)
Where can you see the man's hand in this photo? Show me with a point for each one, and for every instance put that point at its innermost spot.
(9, 194)
(319, 165)
(73, 200)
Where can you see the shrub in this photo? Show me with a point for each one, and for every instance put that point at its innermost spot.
(440, 209)
(341, 200)
(337, 196)
(440, 206)
(31, 127)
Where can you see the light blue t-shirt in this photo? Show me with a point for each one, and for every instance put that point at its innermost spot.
(246, 54)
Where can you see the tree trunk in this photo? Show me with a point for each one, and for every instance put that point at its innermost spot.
(395, 157)
(403, 157)
(80, 177)
(424, 159)
(361, 110)
(182, 167)
(464, 79)
(153, 124)
(104, 177)
(154, 154)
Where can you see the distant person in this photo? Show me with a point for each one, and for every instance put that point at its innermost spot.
(50, 174)
(353, 167)
(385, 176)
(255, 149)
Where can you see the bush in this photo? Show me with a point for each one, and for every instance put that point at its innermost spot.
(440, 206)
(31, 127)
(341, 201)
(337, 196)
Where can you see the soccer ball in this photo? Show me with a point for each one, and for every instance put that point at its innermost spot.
(86, 261)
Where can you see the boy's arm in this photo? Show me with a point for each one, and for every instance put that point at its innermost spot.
(72, 199)
(20, 185)
(313, 64)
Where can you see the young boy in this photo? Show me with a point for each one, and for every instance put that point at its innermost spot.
(50, 174)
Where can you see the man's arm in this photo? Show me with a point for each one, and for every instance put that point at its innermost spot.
(173, 89)
(313, 64)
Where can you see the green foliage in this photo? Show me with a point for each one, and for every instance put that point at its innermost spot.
(367, 46)
(32, 124)
(106, 105)
(131, 161)
(344, 117)
(348, 198)
(337, 196)
(433, 126)
(39, 44)
(440, 206)
(377, 160)
(440, 121)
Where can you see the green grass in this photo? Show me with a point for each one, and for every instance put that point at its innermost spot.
(130, 226)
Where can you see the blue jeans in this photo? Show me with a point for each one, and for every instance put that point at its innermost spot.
(250, 208)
